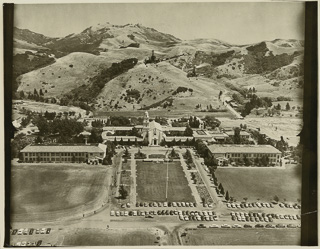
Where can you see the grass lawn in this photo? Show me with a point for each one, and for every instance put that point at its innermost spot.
(49, 188)
(99, 237)
(127, 165)
(212, 236)
(156, 156)
(263, 183)
(151, 182)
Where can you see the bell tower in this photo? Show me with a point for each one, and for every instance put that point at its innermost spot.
(146, 120)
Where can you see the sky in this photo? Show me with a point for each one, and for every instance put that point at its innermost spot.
(236, 23)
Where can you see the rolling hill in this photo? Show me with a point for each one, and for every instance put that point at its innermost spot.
(105, 67)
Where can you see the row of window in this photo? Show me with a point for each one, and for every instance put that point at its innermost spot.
(54, 154)
(52, 160)
(251, 155)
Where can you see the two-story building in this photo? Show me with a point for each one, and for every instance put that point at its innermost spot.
(63, 152)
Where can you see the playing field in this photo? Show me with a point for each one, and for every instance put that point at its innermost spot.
(212, 236)
(262, 183)
(99, 237)
(51, 189)
(151, 182)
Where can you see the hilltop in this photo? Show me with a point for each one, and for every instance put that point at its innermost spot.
(104, 66)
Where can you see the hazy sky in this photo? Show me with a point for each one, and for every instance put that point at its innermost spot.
(238, 23)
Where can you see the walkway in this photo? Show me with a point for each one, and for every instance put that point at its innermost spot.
(206, 179)
(133, 188)
(188, 175)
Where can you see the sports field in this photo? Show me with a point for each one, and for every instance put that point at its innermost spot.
(212, 236)
(51, 189)
(103, 237)
(262, 183)
(151, 182)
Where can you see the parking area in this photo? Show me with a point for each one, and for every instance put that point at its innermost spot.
(29, 236)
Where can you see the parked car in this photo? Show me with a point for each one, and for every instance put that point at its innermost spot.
(201, 226)
(247, 226)
(225, 226)
(214, 226)
(280, 226)
(14, 231)
(291, 226)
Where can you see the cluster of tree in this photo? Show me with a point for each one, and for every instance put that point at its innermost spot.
(194, 122)
(175, 142)
(123, 192)
(198, 106)
(282, 98)
(64, 128)
(173, 154)
(220, 190)
(18, 143)
(182, 89)
(133, 93)
(118, 121)
(212, 122)
(161, 120)
(188, 157)
(237, 97)
(97, 123)
(126, 153)
(140, 155)
(110, 152)
(256, 102)
(133, 132)
(129, 142)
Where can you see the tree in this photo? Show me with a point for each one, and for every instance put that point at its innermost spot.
(40, 92)
(123, 192)
(227, 196)
(237, 138)
(38, 140)
(126, 153)
(276, 198)
(278, 107)
(246, 161)
(220, 93)
(188, 131)
(288, 106)
(222, 190)
(21, 94)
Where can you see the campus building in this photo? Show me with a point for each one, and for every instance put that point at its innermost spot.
(237, 151)
(63, 152)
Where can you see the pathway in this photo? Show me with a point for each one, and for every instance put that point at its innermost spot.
(133, 190)
(188, 175)
(206, 179)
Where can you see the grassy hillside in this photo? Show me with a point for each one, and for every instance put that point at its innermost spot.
(91, 67)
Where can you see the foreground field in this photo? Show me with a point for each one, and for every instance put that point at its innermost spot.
(99, 237)
(151, 182)
(262, 183)
(51, 189)
(242, 237)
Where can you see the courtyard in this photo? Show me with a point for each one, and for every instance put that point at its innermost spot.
(151, 182)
